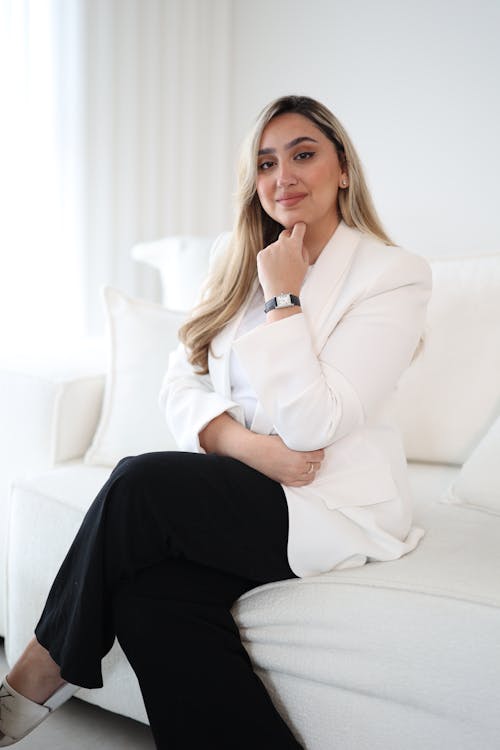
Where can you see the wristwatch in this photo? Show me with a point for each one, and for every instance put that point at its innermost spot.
(282, 300)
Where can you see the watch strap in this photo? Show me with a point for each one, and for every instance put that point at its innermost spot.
(282, 300)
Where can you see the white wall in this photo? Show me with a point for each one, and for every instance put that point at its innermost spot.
(415, 83)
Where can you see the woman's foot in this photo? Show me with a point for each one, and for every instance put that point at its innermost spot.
(35, 674)
(31, 692)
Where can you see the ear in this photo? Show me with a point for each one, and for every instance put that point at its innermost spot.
(344, 174)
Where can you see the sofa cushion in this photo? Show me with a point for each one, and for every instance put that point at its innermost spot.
(455, 380)
(142, 335)
(478, 484)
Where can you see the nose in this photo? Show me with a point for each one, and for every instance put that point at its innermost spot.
(286, 176)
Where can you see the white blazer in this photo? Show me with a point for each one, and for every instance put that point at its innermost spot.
(323, 379)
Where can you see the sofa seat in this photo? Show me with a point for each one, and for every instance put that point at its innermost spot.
(392, 655)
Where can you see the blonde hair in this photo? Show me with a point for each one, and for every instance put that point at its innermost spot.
(232, 276)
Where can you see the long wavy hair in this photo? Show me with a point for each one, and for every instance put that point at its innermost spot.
(232, 275)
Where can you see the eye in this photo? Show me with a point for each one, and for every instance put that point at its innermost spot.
(265, 165)
(304, 155)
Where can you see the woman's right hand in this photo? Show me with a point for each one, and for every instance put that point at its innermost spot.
(269, 455)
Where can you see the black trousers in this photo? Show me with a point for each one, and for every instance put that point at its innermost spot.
(168, 545)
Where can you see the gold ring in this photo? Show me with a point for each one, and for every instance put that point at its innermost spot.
(311, 467)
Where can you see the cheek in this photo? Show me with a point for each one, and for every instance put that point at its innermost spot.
(262, 192)
(330, 185)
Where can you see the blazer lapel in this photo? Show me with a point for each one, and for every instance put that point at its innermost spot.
(324, 284)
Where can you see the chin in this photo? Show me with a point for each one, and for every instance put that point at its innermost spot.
(289, 221)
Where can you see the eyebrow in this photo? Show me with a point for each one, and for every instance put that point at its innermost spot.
(288, 146)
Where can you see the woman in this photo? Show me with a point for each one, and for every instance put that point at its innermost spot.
(291, 467)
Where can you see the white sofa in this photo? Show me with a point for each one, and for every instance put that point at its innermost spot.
(393, 655)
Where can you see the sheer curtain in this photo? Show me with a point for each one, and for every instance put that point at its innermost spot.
(114, 130)
(40, 257)
(158, 158)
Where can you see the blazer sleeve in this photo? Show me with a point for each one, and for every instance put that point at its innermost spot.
(314, 399)
(189, 402)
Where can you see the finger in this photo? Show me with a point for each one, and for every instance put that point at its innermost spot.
(299, 483)
(310, 470)
(298, 231)
(305, 254)
(305, 463)
(315, 455)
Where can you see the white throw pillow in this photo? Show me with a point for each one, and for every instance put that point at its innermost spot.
(142, 335)
(183, 262)
(183, 265)
(478, 484)
(447, 399)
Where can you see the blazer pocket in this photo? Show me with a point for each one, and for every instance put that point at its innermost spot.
(364, 486)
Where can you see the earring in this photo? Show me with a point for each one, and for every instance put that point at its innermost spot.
(344, 183)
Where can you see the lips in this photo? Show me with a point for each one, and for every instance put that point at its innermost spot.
(290, 199)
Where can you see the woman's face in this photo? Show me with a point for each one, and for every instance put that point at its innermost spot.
(299, 174)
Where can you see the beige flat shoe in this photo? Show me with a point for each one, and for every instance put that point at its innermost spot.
(19, 716)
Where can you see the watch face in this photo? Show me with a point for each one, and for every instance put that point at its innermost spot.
(283, 300)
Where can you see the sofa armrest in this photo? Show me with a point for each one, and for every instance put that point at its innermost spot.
(50, 407)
